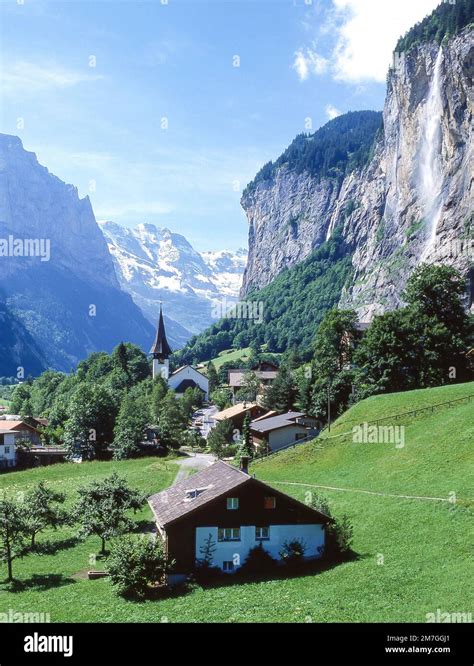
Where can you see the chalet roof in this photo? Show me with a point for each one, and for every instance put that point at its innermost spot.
(276, 422)
(8, 426)
(236, 376)
(195, 491)
(265, 416)
(160, 345)
(235, 410)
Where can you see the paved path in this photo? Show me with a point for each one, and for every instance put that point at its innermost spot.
(192, 462)
(366, 492)
(206, 419)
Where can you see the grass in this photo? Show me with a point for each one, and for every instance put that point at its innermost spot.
(230, 355)
(4, 403)
(413, 555)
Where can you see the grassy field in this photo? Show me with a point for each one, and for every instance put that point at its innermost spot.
(414, 555)
(4, 403)
(230, 355)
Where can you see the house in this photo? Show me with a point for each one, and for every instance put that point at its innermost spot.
(236, 413)
(7, 448)
(22, 430)
(236, 512)
(276, 432)
(182, 378)
(235, 378)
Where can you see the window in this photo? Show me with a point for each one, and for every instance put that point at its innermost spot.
(7, 449)
(262, 533)
(228, 534)
(228, 565)
(233, 503)
(269, 502)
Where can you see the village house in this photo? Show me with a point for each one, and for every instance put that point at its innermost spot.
(182, 378)
(7, 448)
(237, 512)
(266, 373)
(236, 413)
(21, 430)
(276, 432)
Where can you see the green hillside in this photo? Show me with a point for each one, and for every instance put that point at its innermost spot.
(414, 555)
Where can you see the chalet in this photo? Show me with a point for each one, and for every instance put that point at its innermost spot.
(21, 430)
(276, 432)
(7, 448)
(236, 413)
(182, 378)
(235, 378)
(237, 512)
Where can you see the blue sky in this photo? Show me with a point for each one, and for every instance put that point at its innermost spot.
(140, 104)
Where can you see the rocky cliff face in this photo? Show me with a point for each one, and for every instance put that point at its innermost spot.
(66, 296)
(412, 202)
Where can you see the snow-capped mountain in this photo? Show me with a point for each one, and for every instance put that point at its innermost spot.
(154, 264)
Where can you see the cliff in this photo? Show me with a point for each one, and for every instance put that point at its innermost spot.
(412, 200)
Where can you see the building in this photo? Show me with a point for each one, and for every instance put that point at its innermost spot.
(276, 432)
(7, 448)
(266, 374)
(187, 377)
(21, 430)
(236, 413)
(182, 378)
(237, 512)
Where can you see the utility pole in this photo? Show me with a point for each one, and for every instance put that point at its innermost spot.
(329, 406)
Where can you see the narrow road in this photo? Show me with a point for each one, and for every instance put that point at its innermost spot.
(192, 462)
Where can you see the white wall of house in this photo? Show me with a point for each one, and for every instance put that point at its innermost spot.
(189, 373)
(237, 551)
(7, 449)
(285, 436)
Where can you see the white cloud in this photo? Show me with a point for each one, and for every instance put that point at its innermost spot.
(365, 35)
(332, 112)
(309, 62)
(22, 76)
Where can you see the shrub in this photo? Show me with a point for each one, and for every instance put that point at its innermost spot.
(137, 563)
(293, 552)
(258, 561)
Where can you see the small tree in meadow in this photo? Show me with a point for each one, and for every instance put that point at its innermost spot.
(102, 506)
(41, 510)
(13, 532)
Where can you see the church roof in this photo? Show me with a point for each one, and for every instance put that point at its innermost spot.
(161, 346)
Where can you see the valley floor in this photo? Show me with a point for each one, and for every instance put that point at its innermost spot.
(414, 556)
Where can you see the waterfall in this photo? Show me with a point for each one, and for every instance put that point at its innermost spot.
(430, 171)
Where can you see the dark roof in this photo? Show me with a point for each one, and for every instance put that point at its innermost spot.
(196, 491)
(161, 346)
(210, 483)
(276, 422)
(187, 383)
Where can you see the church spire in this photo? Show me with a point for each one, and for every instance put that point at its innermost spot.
(160, 348)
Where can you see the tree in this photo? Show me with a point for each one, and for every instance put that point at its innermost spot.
(173, 421)
(281, 395)
(101, 507)
(220, 438)
(41, 510)
(207, 551)
(250, 387)
(222, 398)
(13, 531)
(133, 416)
(137, 563)
(91, 418)
(246, 441)
(212, 377)
(158, 393)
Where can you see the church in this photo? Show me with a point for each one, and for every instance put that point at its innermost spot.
(182, 378)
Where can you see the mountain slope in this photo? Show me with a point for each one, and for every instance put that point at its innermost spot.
(18, 350)
(154, 265)
(68, 299)
(411, 201)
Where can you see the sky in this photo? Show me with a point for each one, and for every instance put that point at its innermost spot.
(162, 111)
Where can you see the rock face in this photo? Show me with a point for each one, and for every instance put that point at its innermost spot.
(154, 265)
(67, 296)
(412, 202)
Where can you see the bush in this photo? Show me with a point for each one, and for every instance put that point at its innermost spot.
(339, 534)
(293, 552)
(258, 561)
(137, 563)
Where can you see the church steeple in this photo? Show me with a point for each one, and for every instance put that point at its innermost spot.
(161, 350)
